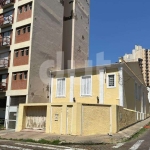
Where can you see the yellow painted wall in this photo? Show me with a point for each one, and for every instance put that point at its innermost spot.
(95, 89)
(69, 119)
(95, 120)
(111, 95)
(79, 118)
(77, 88)
(56, 122)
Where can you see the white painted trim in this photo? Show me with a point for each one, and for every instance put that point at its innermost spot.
(51, 88)
(108, 80)
(110, 120)
(82, 119)
(61, 124)
(101, 86)
(72, 119)
(121, 88)
(62, 96)
(71, 87)
(7, 111)
(51, 120)
(67, 120)
(81, 86)
(73, 34)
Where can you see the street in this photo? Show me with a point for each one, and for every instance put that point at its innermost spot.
(16, 145)
(141, 143)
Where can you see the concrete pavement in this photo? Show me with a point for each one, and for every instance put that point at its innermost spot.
(118, 137)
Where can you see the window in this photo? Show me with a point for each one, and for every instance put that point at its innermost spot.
(30, 6)
(16, 53)
(25, 8)
(25, 75)
(60, 87)
(28, 28)
(20, 76)
(22, 52)
(24, 30)
(86, 86)
(20, 10)
(14, 76)
(18, 32)
(111, 81)
(27, 52)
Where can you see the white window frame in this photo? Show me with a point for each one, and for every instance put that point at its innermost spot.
(108, 80)
(62, 96)
(81, 86)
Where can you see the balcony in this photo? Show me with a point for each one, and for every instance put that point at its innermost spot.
(3, 63)
(5, 41)
(6, 21)
(6, 3)
(3, 86)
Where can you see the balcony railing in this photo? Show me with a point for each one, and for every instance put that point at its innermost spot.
(5, 41)
(3, 63)
(6, 3)
(3, 86)
(6, 21)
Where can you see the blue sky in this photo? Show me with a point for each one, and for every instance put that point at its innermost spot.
(117, 25)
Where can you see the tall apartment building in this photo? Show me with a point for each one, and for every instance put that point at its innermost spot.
(143, 56)
(32, 32)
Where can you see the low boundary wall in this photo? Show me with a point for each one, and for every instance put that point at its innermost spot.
(76, 118)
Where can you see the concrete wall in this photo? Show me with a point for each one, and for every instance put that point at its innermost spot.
(76, 33)
(47, 41)
(81, 34)
(125, 117)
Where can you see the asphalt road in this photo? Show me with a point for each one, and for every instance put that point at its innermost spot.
(15, 145)
(141, 143)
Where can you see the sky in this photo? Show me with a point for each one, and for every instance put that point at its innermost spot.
(116, 26)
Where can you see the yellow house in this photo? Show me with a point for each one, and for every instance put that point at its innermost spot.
(89, 101)
(116, 84)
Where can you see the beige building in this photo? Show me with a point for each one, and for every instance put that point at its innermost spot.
(89, 101)
(32, 32)
(141, 55)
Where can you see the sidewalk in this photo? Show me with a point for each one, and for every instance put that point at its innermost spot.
(118, 137)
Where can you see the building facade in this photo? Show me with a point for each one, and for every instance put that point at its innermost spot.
(89, 101)
(141, 55)
(32, 33)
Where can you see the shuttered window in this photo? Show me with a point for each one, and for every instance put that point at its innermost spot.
(61, 87)
(86, 86)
